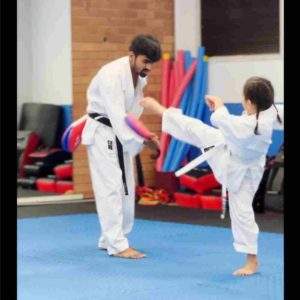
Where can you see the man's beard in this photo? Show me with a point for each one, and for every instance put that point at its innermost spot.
(143, 74)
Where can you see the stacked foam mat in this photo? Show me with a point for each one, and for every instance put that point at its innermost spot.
(60, 182)
(39, 154)
(184, 86)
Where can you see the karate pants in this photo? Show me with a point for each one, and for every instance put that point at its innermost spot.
(195, 132)
(115, 209)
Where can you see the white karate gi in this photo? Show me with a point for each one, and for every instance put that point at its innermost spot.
(239, 163)
(111, 93)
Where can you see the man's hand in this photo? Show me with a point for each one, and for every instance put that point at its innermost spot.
(153, 144)
(213, 102)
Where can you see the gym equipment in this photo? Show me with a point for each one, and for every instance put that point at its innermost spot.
(200, 185)
(46, 185)
(188, 200)
(51, 157)
(171, 85)
(172, 142)
(27, 183)
(195, 109)
(63, 186)
(72, 135)
(65, 139)
(63, 171)
(167, 181)
(43, 119)
(165, 138)
(211, 202)
(166, 69)
(75, 133)
(206, 202)
(27, 142)
(38, 169)
(138, 127)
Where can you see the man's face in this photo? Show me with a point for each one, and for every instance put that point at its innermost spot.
(141, 64)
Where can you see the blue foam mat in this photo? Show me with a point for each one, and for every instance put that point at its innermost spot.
(58, 259)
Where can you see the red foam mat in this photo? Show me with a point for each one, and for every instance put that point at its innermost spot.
(63, 171)
(188, 200)
(63, 186)
(211, 202)
(207, 202)
(201, 184)
(46, 185)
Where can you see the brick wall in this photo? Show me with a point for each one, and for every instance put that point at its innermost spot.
(102, 31)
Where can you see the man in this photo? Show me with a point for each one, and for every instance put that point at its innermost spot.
(111, 144)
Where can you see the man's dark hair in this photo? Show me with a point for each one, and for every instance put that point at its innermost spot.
(146, 45)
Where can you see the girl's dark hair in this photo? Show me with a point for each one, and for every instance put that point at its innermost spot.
(261, 93)
(146, 45)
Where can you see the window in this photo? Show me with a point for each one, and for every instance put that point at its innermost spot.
(236, 27)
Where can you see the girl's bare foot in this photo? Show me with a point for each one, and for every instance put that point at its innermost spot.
(250, 267)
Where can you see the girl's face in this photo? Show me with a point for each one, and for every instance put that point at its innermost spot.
(249, 107)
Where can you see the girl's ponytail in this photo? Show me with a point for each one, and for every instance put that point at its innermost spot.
(256, 127)
(278, 117)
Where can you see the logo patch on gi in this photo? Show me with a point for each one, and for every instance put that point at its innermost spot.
(110, 145)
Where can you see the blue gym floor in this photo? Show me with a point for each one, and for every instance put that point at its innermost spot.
(58, 260)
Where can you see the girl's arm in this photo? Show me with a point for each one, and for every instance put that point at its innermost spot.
(236, 128)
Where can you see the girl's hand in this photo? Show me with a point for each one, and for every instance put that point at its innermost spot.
(213, 102)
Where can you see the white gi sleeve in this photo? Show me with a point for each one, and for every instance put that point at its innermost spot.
(114, 99)
(238, 129)
(137, 109)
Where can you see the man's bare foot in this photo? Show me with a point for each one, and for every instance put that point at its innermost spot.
(130, 253)
(249, 268)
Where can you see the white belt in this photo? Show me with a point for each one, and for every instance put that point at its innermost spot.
(199, 160)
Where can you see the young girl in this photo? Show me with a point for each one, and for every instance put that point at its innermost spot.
(241, 144)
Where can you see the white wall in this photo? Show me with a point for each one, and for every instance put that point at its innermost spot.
(227, 74)
(24, 55)
(44, 51)
(187, 25)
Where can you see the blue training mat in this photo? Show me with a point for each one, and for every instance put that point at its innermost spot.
(58, 259)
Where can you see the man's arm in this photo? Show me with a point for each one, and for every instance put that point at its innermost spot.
(114, 99)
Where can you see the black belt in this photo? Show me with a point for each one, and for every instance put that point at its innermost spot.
(208, 148)
(106, 122)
